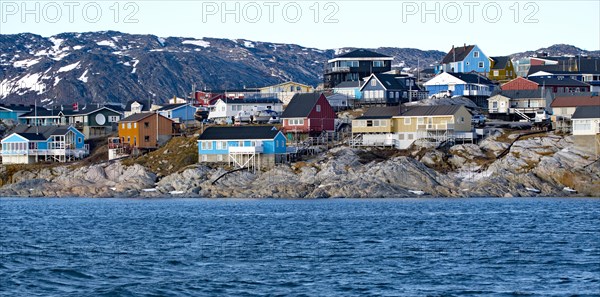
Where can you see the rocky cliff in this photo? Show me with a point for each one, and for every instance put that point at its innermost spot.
(546, 164)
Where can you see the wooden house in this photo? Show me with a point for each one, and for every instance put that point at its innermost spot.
(27, 145)
(309, 114)
(147, 130)
(243, 146)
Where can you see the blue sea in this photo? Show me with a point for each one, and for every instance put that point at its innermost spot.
(336, 247)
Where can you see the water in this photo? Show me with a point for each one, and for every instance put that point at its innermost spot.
(407, 247)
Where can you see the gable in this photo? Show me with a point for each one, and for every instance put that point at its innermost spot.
(14, 138)
(444, 79)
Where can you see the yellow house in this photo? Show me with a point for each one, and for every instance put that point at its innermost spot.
(501, 69)
(285, 91)
(432, 124)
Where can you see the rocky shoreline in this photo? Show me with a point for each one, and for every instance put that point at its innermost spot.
(536, 166)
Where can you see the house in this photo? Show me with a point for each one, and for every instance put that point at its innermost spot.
(147, 130)
(44, 117)
(209, 98)
(242, 146)
(513, 105)
(560, 84)
(390, 89)
(564, 106)
(137, 106)
(285, 91)
(374, 127)
(27, 145)
(354, 66)
(586, 120)
(12, 112)
(338, 101)
(460, 84)
(584, 69)
(350, 89)
(391, 126)
(501, 69)
(179, 112)
(309, 114)
(225, 110)
(93, 121)
(519, 83)
(465, 59)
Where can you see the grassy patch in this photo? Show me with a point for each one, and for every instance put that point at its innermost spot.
(177, 154)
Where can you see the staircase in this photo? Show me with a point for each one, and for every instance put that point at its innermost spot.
(521, 114)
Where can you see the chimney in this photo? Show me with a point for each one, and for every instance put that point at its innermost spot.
(465, 45)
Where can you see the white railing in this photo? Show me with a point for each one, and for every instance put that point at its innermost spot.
(245, 149)
(48, 152)
(434, 127)
(476, 93)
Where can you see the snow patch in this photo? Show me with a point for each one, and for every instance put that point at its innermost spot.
(196, 42)
(57, 43)
(25, 63)
(106, 43)
(68, 67)
(161, 41)
(84, 77)
(56, 81)
(135, 62)
(248, 44)
(77, 47)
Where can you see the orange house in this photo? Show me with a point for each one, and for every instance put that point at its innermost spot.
(145, 130)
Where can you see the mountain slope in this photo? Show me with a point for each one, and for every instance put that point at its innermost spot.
(558, 50)
(100, 67)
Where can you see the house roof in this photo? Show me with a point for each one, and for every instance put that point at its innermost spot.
(172, 106)
(472, 78)
(40, 132)
(389, 82)
(434, 110)
(362, 53)
(457, 54)
(251, 100)
(518, 94)
(587, 112)
(42, 112)
(285, 83)
(17, 107)
(239, 133)
(385, 112)
(557, 81)
(574, 101)
(349, 84)
(500, 62)
(136, 117)
(301, 105)
(145, 105)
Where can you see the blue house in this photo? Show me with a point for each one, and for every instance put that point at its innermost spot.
(349, 88)
(27, 145)
(460, 84)
(465, 59)
(12, 112)
(179, 113)
(390, 89)
(243, 147)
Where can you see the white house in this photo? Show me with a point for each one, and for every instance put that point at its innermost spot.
(338, 101)
(225, 110)
(586, 120)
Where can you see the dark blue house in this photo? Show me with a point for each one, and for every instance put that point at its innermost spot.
(390, 89)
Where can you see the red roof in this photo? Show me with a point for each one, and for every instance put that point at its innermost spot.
(575, 101)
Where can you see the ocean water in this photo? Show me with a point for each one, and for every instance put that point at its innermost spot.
(341, 247)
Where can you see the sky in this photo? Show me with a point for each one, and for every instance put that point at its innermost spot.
(498, 27)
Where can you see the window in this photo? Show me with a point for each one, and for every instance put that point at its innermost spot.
(406, 121)
(221, 145)
(582, 125)
(378, 64)
(496, 72)
(476, 54)
(380, 94)
(207, 145)
(462, 119)
(79, 139)
(146, 125)
(401, 136)
(296, 122)
(410, 137)
(113, 119)
(123, 125)
(236, 108)
(128, 125)
(134, 125)
(220, 158)
(373, 83)
(318, 108)
(369, 123)
(298, 89)
(146, 138)
(420, 121)
(204, 158)
(480, 65)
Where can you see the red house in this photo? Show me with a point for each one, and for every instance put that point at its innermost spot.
(308, 113)
(554, 85)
